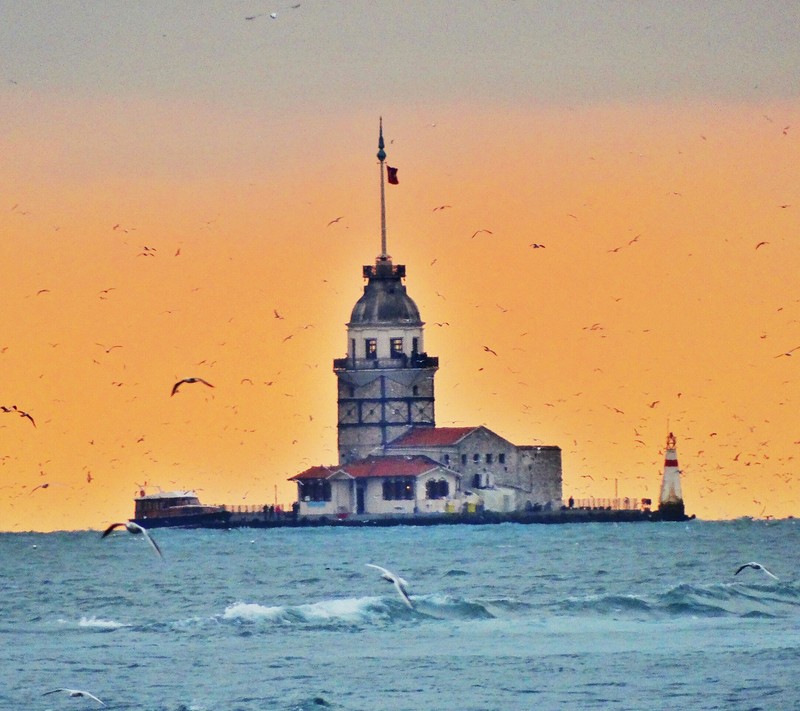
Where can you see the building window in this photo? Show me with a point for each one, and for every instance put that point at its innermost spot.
(315, 490)
(415, 390)
(398, 489)
(489, 458)
(437, 489)
(414, 344)
(352, 347)
(396, 347)
(447, 459)
(371, 348)
(476, 458)
(464, 459)
(501, 458)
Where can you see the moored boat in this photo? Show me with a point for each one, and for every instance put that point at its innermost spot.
(177, 508)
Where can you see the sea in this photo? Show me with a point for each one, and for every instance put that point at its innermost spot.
(508, 616)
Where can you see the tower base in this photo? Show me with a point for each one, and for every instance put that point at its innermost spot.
(671, 511)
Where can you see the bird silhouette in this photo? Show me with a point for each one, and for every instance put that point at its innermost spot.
(400, 585)
(477, 232)
(76, 694)
(755, 566)
(333, 222)
(489, 350)
(136, 530)
(188, 380)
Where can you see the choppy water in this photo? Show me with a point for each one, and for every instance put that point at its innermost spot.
(578, 616)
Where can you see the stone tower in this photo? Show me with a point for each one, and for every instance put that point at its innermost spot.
(385, 384)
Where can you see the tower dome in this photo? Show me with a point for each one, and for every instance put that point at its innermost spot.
(385, 301)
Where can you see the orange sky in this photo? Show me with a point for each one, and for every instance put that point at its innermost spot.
(232, 201)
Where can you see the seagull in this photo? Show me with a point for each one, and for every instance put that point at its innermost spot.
(333, 222)
(755, 566)
(188, 380)
(477, 232)
(135, 529)
(398, 582)
(489, 350)
(21, 413)
(75, 693)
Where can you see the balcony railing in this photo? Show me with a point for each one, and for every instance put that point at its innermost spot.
(415, 361)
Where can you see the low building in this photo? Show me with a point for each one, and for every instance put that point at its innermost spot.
(386, 485)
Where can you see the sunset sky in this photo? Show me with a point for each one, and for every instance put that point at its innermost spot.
(169, 171)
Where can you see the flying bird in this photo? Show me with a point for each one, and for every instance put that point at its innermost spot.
(477, 232)
(535, 245)
(333, 222)
(400, 584)
(136, 530)
(489, 350)
(75, 693)
(21, 413)
(761, 244)
(188, 380)
(755, 566)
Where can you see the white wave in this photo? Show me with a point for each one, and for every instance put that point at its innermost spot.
(348, 610)
(95, 623)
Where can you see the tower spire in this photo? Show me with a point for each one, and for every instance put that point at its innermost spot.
(382, 157)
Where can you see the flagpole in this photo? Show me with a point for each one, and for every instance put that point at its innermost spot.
(381, 158)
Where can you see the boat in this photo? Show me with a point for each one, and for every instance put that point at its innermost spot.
(179, 509)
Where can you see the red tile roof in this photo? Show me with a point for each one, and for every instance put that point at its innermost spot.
(318, 472)
(432, 436)
(390, 466)
(374, 467)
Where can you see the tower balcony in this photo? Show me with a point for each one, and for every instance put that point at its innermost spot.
(418, 360)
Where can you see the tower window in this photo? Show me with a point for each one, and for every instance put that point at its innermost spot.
(463, 459)
(415, 390)
(489, 458)
(476, 458)
(396, 347)
(414, 345)
(371, 348)
(447, 459)
(501, 458)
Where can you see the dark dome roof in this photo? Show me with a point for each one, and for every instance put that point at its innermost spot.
(385, 300)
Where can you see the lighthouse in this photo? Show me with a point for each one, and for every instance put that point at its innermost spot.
(670, 503)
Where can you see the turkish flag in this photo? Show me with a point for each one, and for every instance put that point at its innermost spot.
(391, 174)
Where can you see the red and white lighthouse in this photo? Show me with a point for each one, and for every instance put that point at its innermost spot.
(670, 503)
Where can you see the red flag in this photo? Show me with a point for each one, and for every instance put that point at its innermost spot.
(392, 175)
